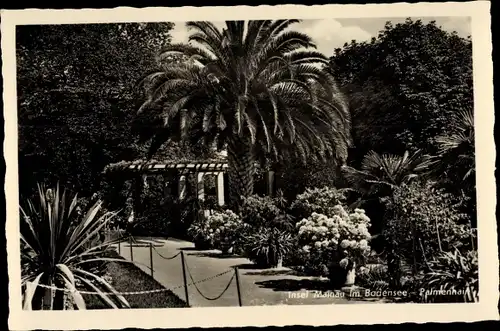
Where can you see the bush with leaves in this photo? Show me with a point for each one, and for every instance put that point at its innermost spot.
(423, 221)
(222, 229)
(337, 239)
(268, 246)
(62, 248)
(264, 211)
(258, 210)
(317, 200)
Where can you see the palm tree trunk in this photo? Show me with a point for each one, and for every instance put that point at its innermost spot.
(241, 170)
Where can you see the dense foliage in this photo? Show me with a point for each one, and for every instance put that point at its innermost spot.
(77, 98)
(422, 221)
(410, 73)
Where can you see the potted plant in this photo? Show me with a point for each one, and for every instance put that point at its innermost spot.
(199, 234)
(268, 246)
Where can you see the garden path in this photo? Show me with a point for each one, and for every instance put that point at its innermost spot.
(258, 286)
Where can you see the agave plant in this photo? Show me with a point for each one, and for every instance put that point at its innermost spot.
(256, 88)
(380, 174)
(60, 249)
(269, 246)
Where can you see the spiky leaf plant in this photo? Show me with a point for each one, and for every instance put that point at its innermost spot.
(60, 250)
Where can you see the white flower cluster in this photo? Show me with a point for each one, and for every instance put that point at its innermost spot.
(348, 232)
(223, 227)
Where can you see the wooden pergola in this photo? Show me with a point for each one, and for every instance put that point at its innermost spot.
(144, 169)
(216, 167)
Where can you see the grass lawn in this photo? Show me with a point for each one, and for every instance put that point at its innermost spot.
(128, 278)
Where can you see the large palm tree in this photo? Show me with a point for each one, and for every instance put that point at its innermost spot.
(256, 88)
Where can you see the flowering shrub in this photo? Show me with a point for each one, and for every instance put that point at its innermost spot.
(317, 200)
(223, 229)
(340, 239)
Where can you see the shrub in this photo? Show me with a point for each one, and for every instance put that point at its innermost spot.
(341, 239)
(259, 211)
(317, 200)
(268, 247)
(222, 229)
(423, 221)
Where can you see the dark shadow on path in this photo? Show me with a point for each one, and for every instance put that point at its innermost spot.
(216, 255)
(142, 244)
(251, 266)
(272, 272)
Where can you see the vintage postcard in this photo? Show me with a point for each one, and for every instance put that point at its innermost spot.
(249, 166)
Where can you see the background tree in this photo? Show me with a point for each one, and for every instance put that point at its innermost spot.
(76, 98)
(254, 88)
(403, 86)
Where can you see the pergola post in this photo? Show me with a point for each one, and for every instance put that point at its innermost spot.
(200, 186)
(182, 187)
(220, 188)
(270, 183)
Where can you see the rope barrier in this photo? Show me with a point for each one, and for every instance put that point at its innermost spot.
(204, 296)
(135, 292)
(110, 293)
(166, 258)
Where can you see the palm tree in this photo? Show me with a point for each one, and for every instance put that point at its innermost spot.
(255, 88)
(61, 248)
(456, 151)
(380, 174)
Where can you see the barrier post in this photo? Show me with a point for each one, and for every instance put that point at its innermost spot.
(131, 249)
(238, 285)
(184, 277)
(151, 257)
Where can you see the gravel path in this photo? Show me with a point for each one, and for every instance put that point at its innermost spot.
(258, 286)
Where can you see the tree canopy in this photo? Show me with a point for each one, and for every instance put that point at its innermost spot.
(403, 86)
(77, 98)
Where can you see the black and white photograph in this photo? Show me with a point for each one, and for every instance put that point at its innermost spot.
(289, 160)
